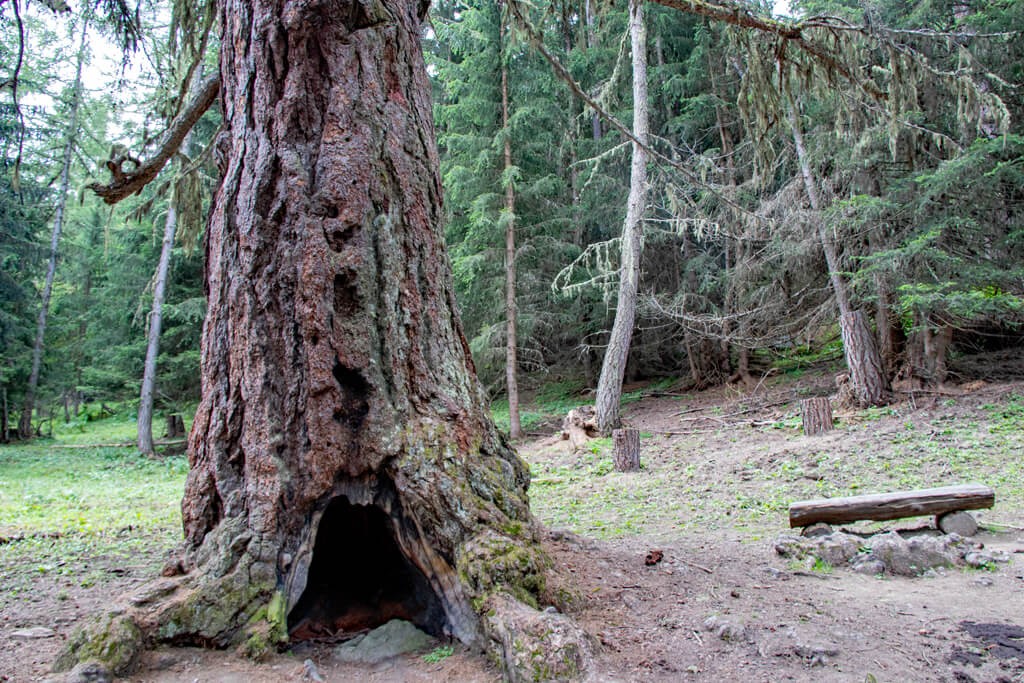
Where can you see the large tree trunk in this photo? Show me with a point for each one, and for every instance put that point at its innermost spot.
(70, 140)
(511, 359)
(344, 470)
(609, 386)
(868, 380)
(145, 420)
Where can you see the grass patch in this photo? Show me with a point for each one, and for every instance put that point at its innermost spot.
(686, 487)
(550, 404)
(553, 401)
(69, 507)
(438, 654)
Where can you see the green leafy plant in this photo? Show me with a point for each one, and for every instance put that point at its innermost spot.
(438, 654)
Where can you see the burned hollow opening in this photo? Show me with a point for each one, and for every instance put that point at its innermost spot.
(359, 579)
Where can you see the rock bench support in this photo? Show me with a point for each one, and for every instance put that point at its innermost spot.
(885, 506)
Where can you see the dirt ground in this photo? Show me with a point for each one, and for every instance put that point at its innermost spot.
(720, 605)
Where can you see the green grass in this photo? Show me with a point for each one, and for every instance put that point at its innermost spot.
(70, 506)
(554, 400)
(551, 403)
(680, 490)
(438, 654)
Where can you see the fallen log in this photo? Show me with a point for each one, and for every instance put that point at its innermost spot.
(885, 506)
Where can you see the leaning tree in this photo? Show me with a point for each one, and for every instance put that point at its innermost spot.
(343, 468)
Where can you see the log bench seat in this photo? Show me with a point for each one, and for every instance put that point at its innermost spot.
(885, 506)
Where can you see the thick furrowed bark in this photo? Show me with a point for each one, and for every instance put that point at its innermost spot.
(335, 371)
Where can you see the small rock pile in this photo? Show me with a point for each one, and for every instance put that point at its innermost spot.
(888, 553)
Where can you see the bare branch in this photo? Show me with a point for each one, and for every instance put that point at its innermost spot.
(126, 183)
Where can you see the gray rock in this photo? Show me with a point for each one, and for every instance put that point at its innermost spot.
(816, 529)
(983, 581)
(982, 559)
(814, 653)
(960, 523)
(310, 673)
(869, 567)
(837, 549)
(915, 556)
(33, 633)
(163, 661)
(801, 644)
(89, 672)
(788, 545)
(726, 629)
(384, 642)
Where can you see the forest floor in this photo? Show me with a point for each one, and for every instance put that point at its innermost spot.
(82, 522)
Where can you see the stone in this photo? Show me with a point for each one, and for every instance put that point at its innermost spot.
(799, 642)
(89, 672)
(163, 661)
(788, 545)
(815, 654)
(310, 673)
(837, 549)
(384, 642)
(726, 629)
(915, 556)
(33, 633)
(959, 522)
(869, 567)
(816, 529)
(979, 559)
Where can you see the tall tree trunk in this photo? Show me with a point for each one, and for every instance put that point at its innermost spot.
(70, 139)
(588, 22)
(891, 338)
(511, 361)
(609, 386)
(145, 420)
(343, 467)
(4, 417)
(867, 377)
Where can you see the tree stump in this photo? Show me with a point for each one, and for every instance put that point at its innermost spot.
(174, 426)
(626, 450)
(816, 414)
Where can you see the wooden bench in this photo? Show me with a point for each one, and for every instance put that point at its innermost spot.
(885, 506)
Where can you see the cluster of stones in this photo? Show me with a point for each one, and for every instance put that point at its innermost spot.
(888, 553)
